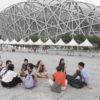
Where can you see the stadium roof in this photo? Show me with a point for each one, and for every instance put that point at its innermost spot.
(6, 3)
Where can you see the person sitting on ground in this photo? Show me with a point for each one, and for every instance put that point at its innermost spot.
(1, 63)
(10, 77)
(41, 70)
(30, 77)
(5, 68)
(83, 74)
(59, 77)
(62, 65)
(24, 67)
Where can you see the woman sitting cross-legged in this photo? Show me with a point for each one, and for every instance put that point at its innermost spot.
(30, 77)
(10, 77)
(62, 65)
(41, 70)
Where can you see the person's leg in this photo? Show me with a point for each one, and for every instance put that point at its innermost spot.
(63, 88)
(68, 76)
(4, 84)
(15, 81)
(22, 74)
(66, 83)
(51, 82)
(18, 80)
(76, 74)
(45, 74)
(35, 83)
(42, 75)
(84, 84)
(39, 75)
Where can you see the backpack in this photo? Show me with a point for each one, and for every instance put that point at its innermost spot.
(56, 87)
(76, 83)
(29, 80)
(4, 71)
(1, 68)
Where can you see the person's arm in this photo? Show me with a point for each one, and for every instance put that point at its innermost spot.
(53, 77)
(65, 67)
(45, 69)
(2, 71)
(88, 85)
(35, 76)
(14, 74)
(86, 79)
(75, 73)
(37, 70)
(24, 72)
(22, 68)
(17, 75)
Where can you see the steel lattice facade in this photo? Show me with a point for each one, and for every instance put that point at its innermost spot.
(49, 18)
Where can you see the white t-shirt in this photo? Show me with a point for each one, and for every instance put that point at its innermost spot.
(8, 77)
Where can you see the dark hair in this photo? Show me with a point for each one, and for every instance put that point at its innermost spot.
(8, 61)
(37, 65)
(31, 65)
(81, 64)
(26, 60)
(61, 61)
(10, 67)
(58, 69)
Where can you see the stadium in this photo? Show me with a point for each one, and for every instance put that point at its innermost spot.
(49, 49)
(49, 18)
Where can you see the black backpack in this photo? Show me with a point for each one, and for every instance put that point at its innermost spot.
(76, 83)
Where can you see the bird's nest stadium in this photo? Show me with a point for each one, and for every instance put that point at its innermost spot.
(49, 18)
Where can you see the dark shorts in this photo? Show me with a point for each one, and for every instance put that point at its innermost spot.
(13, 83)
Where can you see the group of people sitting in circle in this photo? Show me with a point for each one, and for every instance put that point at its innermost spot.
(9, 78)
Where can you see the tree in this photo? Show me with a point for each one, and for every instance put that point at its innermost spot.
(79, 38)
(66, 37)
(34, 38)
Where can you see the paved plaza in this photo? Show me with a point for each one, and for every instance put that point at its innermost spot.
(42, 91)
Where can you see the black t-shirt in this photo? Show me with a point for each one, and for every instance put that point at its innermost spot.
(24, 67)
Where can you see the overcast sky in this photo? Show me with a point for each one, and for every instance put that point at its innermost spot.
(6, 3)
